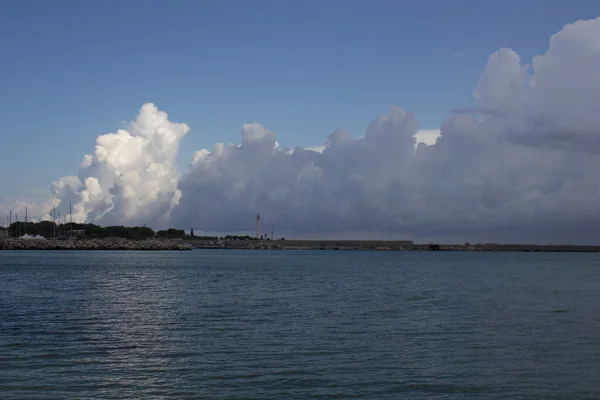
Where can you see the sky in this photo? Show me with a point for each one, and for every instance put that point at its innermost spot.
(72, 71)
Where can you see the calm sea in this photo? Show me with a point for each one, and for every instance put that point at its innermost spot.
(299, 325)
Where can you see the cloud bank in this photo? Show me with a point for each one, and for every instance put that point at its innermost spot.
(522, 166)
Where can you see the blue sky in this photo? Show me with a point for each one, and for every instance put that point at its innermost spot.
(71, 70)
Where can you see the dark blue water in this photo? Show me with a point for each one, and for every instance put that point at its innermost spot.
(299, 325)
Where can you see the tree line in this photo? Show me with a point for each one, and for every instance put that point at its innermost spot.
(48, 229)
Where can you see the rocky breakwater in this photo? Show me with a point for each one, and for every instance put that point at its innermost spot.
(319, 246)
(300, 245)
(264, 246)
(91, 244)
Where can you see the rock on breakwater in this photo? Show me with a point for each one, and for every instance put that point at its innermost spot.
(91, 244)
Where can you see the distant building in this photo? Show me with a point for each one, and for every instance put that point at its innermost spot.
(3, 232)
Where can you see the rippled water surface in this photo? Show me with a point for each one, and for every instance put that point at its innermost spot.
(299, 325)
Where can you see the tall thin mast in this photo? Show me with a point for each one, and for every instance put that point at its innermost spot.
(26, 220)
(71, 219)
(10, 223)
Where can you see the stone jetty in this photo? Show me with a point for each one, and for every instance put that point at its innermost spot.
(300, 245)
(91, 244)
(161, 244)
(380, 246)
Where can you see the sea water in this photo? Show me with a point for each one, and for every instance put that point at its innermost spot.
(299, 325)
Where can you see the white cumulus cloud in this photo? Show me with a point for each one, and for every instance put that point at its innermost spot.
(131, 178)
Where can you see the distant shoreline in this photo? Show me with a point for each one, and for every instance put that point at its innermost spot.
(380, 245)
(364, 245)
